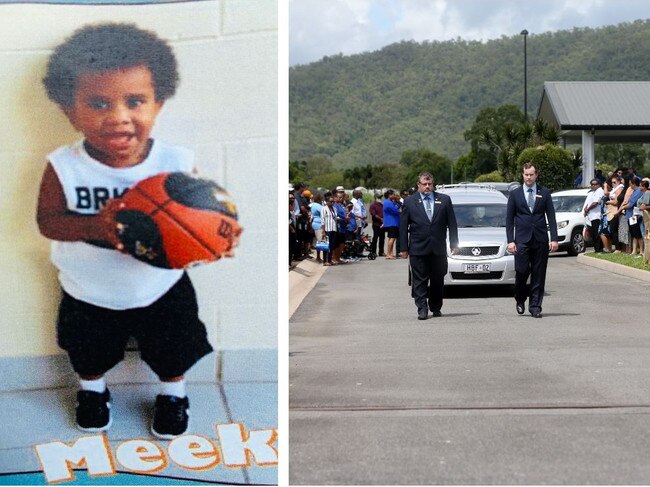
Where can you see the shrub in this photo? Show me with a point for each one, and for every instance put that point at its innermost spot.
(491, 177)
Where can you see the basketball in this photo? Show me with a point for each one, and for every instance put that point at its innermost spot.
(176, 220)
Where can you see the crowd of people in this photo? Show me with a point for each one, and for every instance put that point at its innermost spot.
(326, 225)
(614, 212)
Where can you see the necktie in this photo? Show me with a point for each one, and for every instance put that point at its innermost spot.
(531, 199)
(427, 206)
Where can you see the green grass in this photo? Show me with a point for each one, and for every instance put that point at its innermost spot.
(621, 258)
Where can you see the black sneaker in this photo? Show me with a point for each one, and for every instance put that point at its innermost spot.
(93, 411)
(171, 416)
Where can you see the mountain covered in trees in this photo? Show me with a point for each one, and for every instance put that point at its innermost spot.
(367, 109)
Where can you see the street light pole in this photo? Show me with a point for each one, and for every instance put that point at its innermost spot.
(525, 34)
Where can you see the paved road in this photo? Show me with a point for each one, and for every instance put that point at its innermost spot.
(479, 396)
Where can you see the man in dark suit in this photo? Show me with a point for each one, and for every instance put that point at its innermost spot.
(424, 221)
(529, 208)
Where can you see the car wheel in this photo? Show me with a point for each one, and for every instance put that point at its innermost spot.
(577, 242)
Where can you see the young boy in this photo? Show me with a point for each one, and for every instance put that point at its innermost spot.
(351, 223)
(111, 81)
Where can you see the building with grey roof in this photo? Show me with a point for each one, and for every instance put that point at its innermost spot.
(597, 112)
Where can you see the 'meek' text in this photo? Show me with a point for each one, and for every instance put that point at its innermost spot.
(235, 448)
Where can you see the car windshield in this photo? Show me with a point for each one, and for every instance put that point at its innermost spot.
(568, 203)
(480, 215)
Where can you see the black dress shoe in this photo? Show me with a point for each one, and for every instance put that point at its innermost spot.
(536, 314)
(436, 313)
(520, 308)
(422, 314)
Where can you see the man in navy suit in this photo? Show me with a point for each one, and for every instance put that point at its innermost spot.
(424, 221)
(529, 209)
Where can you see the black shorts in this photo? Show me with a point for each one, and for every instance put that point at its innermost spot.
(304, 236)
(170, 335)
(302, 231)
(392, 232)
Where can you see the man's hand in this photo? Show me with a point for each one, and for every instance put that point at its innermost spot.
(455, 250)
(512, 248)
(404, 254)
(552, 247)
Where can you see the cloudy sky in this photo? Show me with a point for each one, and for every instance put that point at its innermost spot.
(319, 28)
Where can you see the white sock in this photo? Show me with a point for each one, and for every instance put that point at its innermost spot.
(173, 388)
(97, 385)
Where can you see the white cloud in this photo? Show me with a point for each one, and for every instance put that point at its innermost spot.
(327, 27)
(318, 28)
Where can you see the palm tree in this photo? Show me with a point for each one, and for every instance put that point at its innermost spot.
(509, 142)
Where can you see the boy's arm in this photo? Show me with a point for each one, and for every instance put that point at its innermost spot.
(56, 222)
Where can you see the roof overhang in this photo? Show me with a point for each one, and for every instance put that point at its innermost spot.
(574, 107)
(607, 135)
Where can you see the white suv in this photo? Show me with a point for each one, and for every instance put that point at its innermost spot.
(570, 219)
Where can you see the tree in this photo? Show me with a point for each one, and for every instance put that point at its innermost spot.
(423, 160)
(317, 166)
(511, 140)
(495, 121)
(492, 118)
(358, 176)
(328, 180)
(622, 155)
(296, 171)
(465, 168)
(317, 171)
(387, 176)
(543, 133)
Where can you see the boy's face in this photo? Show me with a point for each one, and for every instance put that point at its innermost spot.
(116, 110)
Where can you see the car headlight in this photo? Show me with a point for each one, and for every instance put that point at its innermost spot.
(562, 224)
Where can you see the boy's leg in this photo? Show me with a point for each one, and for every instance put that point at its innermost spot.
(173, 386)
(171, 413)
(95, 343)
(95, 383)
(93, 410)
(172, 339)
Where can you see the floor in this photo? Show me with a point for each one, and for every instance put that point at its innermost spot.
(41, 416)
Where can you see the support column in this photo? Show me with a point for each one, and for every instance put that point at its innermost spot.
(588, 157)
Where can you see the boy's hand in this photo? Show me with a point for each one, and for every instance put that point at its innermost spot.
(112, 228)
(235, 243)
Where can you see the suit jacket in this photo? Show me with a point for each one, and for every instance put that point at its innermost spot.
(522, 226)
(428, 237)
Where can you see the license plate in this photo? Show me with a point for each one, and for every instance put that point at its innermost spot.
(476, 268)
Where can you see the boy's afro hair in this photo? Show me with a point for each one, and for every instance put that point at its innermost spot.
(107, 47)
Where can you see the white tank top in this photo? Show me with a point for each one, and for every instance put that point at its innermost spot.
(106, 277)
